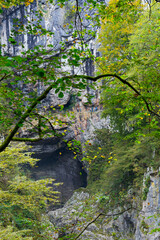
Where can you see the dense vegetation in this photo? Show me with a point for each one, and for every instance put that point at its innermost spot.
(121, 154)
(23, 201)
(118, 156)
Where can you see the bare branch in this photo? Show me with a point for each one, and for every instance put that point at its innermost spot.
(101, 214)
(18, 139)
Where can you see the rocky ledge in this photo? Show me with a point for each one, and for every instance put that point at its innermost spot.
(80, 219)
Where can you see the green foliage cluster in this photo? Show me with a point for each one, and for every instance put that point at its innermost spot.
(119, 156)
(118, 164)
(144, 227)
(142, 73)
(117, 25)
(147, 184)
(23, 201)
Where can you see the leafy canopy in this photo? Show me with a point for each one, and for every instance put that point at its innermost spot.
(120, 155)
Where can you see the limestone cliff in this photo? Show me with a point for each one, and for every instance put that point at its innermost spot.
(140, 222)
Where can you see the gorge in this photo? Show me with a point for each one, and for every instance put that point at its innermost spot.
(99, 137)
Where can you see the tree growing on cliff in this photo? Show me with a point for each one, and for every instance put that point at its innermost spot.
(116, 27)
(142, 73)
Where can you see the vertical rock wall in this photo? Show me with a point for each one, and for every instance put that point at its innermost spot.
(88, 119)
(53, 20)
(148, 224)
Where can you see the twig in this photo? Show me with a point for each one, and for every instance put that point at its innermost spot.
(18, 139)
(4, 77)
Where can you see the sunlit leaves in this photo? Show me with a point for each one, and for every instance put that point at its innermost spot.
(22, 200)
(11, 3)
(117, 25)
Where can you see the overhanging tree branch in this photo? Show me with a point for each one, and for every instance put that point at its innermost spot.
(44, 94)
(23, 118)
(124, 82)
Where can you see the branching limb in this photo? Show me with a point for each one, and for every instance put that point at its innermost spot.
(5, 76)
(18, 139)
(40, 116)
(101, 214)
(124, 82)
(44, 94)
(40, 133)
(23, 118)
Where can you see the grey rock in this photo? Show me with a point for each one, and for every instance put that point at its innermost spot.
(127, 226)
(149, 219)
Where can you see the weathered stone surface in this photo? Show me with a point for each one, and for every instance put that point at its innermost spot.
(105, 228)
(131, 225)
(53, 99)
(149, 216)
(88, 119)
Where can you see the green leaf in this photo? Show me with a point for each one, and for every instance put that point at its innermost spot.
(12, 40)
(57, 90)
(61, 95)
(40, 73)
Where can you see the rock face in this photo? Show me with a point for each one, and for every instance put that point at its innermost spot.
(149, 220)
(53, 20)
(77, 213)
(134, 224)
(88, 119)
